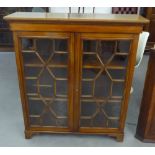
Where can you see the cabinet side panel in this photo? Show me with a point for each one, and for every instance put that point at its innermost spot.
(17, 46)
(129, 77)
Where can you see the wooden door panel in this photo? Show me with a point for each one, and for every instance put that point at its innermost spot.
(146, 121)
(152, 30)
(153, 10)
(151, 130)
(104, 66)
(47, 60)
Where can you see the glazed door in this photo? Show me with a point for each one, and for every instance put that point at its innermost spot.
(47, 60)
(101, 83)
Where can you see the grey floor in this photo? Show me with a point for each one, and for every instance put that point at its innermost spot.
(11, 120)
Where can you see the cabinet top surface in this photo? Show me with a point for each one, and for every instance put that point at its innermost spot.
(75, 17)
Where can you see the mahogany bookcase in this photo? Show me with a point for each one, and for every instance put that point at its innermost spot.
(75, 70)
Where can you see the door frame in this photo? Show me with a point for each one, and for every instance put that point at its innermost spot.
(128, 80)
(20, 68)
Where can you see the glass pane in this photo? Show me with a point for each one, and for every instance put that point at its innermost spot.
(103, 78)
(46, 78)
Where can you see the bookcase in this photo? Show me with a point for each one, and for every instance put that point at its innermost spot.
(75, 70)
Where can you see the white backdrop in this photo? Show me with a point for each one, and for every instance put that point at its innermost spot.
(106, 10)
